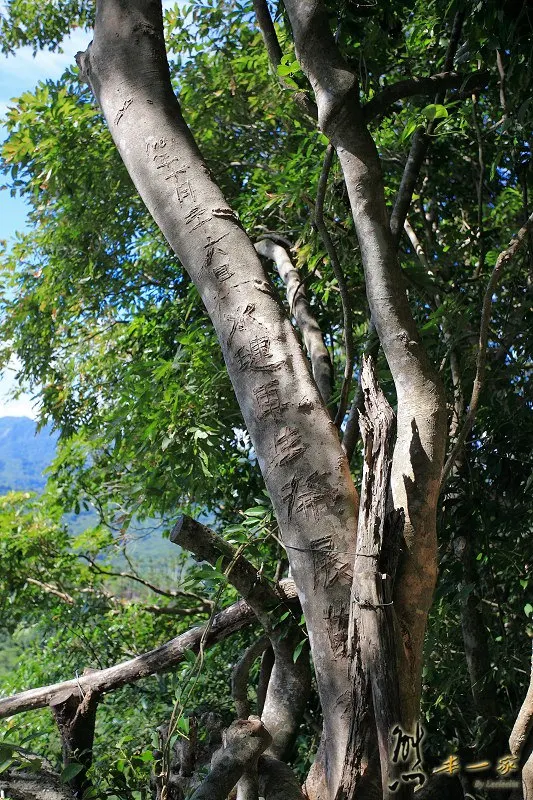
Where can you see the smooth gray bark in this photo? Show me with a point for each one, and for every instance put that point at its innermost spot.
(245, 741)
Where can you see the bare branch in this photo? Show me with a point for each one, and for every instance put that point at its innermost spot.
(501, 262)
(161, 659)
(479, 188)
(415, 159)
(501, 72)
(136, 578)
(289, 684)
(247, 788)
(301, 309)
(339, 275)
(380, 104)
(206, 545)
(48, 588)
(268, 32)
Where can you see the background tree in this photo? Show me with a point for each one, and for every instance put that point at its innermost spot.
(102, 305)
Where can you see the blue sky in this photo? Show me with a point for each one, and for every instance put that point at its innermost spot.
(19, 73)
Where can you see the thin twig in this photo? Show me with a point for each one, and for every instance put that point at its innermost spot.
(339, 275)
(133, 577)
(503, 259)
(481, 179)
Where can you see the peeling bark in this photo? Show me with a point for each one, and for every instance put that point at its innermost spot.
(371, 631)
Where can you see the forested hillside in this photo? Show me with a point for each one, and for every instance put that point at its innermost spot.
(24, 454)
(277, 276)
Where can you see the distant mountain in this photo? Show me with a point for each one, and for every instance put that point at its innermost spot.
(24, 454)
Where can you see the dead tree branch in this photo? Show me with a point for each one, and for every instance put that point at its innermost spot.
(300, 308)
(290, 682)
(76, 721)
(48, 588)
(502, 261)
(206, 545)
(224, 624)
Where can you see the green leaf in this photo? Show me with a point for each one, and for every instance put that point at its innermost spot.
(70, 771)
(434, 111)
(298, 650)
(528, 610)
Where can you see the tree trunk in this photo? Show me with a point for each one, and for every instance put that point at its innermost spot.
(305, 469)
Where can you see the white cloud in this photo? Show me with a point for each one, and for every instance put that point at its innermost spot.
(23, 406)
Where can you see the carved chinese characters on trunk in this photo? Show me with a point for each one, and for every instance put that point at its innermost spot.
(309, 496)
(337, 618)
(288, 446)
(171, 165)
(268, 400)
